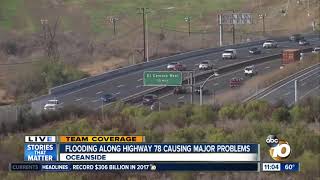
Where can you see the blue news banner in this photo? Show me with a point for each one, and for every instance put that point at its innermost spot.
(41, 157)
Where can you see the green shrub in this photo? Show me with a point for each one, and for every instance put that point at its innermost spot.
(202, 115)
(281, 115)
(187, 135)
(262, 107)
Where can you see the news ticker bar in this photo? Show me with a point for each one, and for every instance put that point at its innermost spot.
(67, 167)
(158, 166)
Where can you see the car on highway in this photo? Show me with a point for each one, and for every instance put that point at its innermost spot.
(149, 99)
(205, 65)
(296, 37)
(175, 66)
(250, 71)
(254, 50)
(304, 42)
(235, 82)
(270, 44)
(204, 91)
(52, 104)
(180, 90)
(107, 98)
(316, 50)
(180, 67)
(171, 65)
(229, 54)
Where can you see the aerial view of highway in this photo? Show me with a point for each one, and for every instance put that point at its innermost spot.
(159, 89)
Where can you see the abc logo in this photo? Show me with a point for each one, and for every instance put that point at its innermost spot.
(279, 149)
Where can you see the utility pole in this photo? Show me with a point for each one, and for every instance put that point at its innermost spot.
(143, 11)
(188, 20)
(44, 23)
(262, 16)
(114, 20)
(233, 32)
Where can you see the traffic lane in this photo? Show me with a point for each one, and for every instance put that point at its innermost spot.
(219, 84)
(132, 83)
(306, 82)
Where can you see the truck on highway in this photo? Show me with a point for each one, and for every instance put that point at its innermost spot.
(229, 54)
(290, 55)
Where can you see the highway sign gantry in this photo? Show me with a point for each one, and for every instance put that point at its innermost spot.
(162, 78)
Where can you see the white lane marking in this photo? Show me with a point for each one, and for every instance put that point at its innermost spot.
(267, 67)
(181, 97)
(140, 79)
(121, 85)
(138, 86)
(308, 76)
(309, 92)
(275, 89)
(79, 99)
(215, 84)
(95, 100)
(99, 92)
(286, 94)
(153, 68)
(117, 93)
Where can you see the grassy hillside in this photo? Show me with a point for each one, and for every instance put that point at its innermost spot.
(233, 123)
(20, 15)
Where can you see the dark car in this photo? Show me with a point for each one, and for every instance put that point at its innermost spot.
(108, 98)
(296, 37)
(179, 90)
(204, 91)
(149, 99)
(303, 42)
(254, 50)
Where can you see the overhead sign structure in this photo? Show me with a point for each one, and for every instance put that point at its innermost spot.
(162, 78)
(236, 18)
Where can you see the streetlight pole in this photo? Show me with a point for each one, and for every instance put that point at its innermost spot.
(188, 20)
(203, 84)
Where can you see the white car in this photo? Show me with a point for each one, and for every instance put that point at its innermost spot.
(316, 50)
(270, 44)
(52, 105)
(250, 71)
(172, 65)
(205, 65)
(229, 54)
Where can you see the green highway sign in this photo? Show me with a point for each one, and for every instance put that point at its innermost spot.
(162, 78)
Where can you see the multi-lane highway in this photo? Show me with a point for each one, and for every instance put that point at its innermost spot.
(218, 85)
(132, 83)
(308, 83)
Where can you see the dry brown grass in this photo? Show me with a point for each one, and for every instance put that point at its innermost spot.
(251, 86)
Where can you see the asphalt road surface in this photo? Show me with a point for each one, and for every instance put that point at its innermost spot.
(308, 85)
(132, 83)
(218, 85)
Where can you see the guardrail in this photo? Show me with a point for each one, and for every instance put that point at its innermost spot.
(154, 63)
(278, 83)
